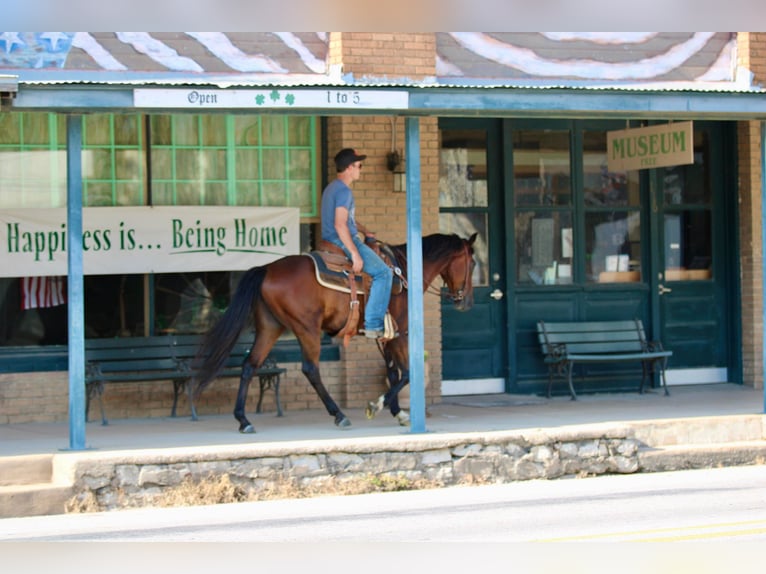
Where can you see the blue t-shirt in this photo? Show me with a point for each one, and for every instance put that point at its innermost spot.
(336, 194)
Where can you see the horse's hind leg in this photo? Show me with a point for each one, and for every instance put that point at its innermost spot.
(239, 408)
(310, 368)
(266, 336)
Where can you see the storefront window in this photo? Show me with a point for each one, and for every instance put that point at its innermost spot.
(193, 160)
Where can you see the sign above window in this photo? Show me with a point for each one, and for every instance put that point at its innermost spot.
(650, 147)
(283, 99)
(165, 239)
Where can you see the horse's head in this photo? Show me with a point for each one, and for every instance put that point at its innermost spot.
(458, 275)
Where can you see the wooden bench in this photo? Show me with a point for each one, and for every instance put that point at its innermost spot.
(162, 358)
(566, 344)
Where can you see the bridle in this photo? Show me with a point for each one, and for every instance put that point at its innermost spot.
(458, 295)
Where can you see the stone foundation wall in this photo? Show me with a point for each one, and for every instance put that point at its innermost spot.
(124, 480)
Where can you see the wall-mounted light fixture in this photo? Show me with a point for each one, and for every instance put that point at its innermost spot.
(395, 164)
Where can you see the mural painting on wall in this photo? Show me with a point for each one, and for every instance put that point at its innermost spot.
(573, 56)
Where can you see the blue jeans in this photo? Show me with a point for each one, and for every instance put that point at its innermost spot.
(380, 290)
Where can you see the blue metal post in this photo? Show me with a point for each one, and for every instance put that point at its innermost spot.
(763, 255)
(415, 278)
(75, 295)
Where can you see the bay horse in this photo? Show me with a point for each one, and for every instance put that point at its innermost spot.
(285, 295)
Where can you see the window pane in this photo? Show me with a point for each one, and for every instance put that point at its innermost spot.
(247, 193)
(463, 169)
(465, 225)
(97, 130)
(274, 164)
(613, 247)
(247, 164)
(97, 194)
(128, 164)
(544, 247)
(162, 163)
(274, 193)
(273, 130)
(247, 130)
(299, 130)
(688, 183)
(542, 173)
(213, 164)
(214, 130)
(186, 130)
(161, 130)
(97, 163)
(36, 129)
(215, 194)
(129, 193)
(688, 245)
(126, 130)
(602, 187)
(187, 164)
(300, 164)
(300, 196)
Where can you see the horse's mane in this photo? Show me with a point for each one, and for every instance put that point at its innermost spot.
(435, 247)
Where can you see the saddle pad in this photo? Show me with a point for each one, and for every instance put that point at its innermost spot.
(330, 273)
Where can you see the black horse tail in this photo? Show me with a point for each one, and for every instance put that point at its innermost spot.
(218, 342)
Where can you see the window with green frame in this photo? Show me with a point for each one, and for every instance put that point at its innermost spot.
(132, 159)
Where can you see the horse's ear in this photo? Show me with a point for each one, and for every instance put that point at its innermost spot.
(472, 238)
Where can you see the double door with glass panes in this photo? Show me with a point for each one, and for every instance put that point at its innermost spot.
(581, 242)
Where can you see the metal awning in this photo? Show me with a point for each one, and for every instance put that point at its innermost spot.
(688, 100)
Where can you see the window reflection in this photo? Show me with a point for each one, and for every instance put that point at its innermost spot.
(544, 248)
(463, 169)
(688, 245)
(613, 247)
(541, 167)
(602, 187)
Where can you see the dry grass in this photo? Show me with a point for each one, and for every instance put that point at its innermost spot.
(222, 490)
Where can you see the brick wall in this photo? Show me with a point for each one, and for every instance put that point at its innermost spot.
(44, 397)
(751, 54)
(378, 207)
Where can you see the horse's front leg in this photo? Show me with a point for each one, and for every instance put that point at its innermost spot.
(311, 371)
(397, 381)
(239, 407)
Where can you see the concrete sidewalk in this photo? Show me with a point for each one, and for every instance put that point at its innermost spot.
(454, 415)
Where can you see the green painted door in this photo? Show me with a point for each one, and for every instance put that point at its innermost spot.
(695, 254)
(474, 357)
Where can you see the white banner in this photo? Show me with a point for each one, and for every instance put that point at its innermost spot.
(167, 239)
(283, 98)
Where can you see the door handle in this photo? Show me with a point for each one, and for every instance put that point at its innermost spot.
(496, 294)
(664, 289)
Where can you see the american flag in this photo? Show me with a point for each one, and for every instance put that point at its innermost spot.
(38, 292)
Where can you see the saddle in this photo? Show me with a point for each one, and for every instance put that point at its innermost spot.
(334, 270)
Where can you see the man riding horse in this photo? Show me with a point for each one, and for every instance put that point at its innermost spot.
(339, 227)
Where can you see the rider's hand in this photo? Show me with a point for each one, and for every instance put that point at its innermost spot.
(356, 261)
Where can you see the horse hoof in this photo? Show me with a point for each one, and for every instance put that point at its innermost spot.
(370, 411)
(342, 422)
(247, 429)
(403, 418)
